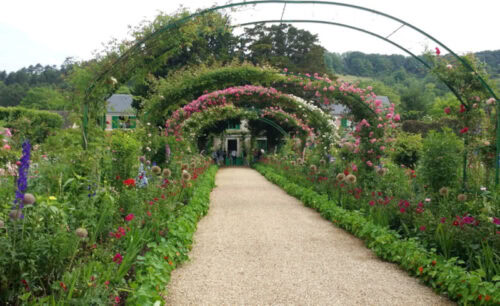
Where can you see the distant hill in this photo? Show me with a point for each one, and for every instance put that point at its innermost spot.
(375, 65)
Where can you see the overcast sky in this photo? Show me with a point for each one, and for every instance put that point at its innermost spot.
(46, 32)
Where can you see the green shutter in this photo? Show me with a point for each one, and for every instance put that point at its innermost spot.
(343, 122)
(133, 122)
(115, 122)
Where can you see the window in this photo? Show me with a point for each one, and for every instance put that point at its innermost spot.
(233, 125)
(123, 122)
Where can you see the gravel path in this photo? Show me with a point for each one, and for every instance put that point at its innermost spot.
(259, 246)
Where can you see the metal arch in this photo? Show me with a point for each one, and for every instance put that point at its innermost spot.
(274, 125)
(360, 30)
(216, 8)
(245, 3)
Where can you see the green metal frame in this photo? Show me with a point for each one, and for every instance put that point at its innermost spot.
(179, 22)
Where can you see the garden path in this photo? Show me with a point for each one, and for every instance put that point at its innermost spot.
(259, 246)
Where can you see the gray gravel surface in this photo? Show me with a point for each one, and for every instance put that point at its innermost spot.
(259, 246)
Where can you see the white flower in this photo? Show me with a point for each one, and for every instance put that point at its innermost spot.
(113, 80)
(449, 66)
(490, 101)
(483, 188)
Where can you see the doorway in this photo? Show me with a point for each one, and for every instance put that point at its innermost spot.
(232, 145)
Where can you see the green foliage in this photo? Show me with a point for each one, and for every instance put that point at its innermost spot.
(30, 124)
(440, 103)
(282, 46)
(125, 151)
(423, 128)
(441, 159)
(407, 149)
(46, 98)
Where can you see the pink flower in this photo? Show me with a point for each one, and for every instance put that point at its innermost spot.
(496, 221)
(354, 167)
(447, 110)
(118, 258)
(422, 228)
(372, 203)
(442, 220)
(438, 51)
(490, 101)
(129, 217)
(464, 130)
(6, 147)
(397, 117)
(427, 199)
(369, 163)
(462, 108)
(449, 66)
(402, 210)
(285, 70)
(382, 148)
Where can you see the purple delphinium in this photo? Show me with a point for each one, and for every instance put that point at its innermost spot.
(22, 179)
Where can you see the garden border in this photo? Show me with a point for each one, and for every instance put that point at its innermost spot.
(154, 269)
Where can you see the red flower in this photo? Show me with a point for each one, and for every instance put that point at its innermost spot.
(447, 110)
(438, 51)
(422, 228)
(434, 262)
(63, 286)
(117, 299)
(462, 108)
(129, 182)
(118, 258)
(421, 270)
(464, 130)
(129, 217)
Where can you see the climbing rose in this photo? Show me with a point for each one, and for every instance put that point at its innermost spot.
(422, 228)
(129, 217)
(438, 51)
(447, 110)
(462, 108)
(449, 66)
(464, 130)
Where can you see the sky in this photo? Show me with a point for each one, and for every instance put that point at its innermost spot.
(47, 32)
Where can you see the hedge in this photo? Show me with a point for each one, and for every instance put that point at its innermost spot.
(29, 123)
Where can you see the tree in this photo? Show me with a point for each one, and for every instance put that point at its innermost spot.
(282, 46)
(46, 98)
(12, 95)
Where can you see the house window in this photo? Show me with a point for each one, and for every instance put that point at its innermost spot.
(123, 122)
(233, 125)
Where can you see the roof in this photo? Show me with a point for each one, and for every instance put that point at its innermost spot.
(339, 109)
(119, 103)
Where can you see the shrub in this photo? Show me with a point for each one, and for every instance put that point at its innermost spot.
(407, 149)
(32, 124)
(441, 159)
(125, 152)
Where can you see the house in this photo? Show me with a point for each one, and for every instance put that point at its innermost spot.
(237, 138)
(338, 111)
(119, 112)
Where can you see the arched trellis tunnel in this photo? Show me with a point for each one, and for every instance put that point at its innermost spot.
(139, 45)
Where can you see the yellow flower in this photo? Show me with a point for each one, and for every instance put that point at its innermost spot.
(52, 198)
